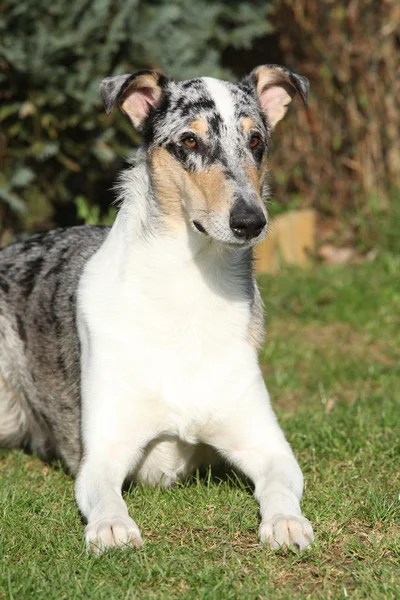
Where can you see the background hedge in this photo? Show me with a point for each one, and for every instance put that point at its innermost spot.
(60, 153)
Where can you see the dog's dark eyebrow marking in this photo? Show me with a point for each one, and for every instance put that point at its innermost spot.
(215, 121)
(242, 113)
(200, 104)
(179, 103)
(186, 107)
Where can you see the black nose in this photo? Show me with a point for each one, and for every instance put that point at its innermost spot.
(246, 223)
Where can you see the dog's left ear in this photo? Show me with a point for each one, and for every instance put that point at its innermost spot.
(275, 88)
(137, 95)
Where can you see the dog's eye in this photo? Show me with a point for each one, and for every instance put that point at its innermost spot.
(189, 141)
(255, 140)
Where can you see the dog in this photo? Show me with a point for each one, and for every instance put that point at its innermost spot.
(130, 352)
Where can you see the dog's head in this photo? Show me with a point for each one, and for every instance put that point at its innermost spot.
(206, 142)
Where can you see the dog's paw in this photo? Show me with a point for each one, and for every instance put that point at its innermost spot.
(283, 531)
(111, 532)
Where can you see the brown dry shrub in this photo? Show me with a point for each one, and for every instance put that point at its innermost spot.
(345, 149)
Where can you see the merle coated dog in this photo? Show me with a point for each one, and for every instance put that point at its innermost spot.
(131, 352)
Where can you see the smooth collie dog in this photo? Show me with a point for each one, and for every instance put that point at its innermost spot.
(130, 352)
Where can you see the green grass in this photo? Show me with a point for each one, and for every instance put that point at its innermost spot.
(332, 368)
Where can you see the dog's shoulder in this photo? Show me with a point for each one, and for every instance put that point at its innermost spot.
(39, 277)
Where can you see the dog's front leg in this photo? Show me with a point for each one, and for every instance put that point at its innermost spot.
(115, 430)
(250, 438)
(98, 494)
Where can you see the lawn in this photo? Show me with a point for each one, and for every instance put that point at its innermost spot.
(331, 362)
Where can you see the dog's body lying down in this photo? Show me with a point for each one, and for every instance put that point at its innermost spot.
(131, 352)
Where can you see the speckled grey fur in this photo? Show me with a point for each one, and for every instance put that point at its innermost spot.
(39, 346)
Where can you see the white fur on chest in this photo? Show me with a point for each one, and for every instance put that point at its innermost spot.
(170, 327)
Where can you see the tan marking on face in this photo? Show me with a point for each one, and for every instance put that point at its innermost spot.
(180, 192)
(211, 190)
(248, 124)
(168, 183)
(257, 176)
(200, 125)
(254, 176)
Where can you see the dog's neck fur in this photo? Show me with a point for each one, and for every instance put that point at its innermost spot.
(140, 230)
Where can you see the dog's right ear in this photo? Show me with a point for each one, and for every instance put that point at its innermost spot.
(275, 87)
(137, 95)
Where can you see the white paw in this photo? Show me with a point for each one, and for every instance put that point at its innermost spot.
(111, 532)
(286, 530)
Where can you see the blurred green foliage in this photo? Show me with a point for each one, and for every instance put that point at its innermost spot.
(56, 143)
(90, 214)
